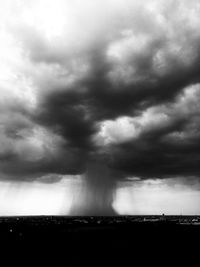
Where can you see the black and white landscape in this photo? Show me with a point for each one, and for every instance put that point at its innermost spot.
(99, 121)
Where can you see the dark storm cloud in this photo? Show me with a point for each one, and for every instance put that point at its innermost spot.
(157, 159)
(119, 91)
(160, 152)
(108, 101)
(67, 114)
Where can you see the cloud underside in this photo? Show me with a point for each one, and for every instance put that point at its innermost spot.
(117, 83)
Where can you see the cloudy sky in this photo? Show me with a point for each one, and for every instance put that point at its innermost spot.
(99, 107)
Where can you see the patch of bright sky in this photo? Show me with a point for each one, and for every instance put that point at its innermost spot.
(156, 197)
(36, 198)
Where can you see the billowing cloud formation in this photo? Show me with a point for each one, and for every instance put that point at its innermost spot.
(112, 81)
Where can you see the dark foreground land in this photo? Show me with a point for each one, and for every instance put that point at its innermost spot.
(100, 241)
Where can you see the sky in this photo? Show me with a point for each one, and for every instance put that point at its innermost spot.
(99, 107)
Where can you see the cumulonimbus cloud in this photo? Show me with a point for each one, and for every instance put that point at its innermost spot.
(113, 80)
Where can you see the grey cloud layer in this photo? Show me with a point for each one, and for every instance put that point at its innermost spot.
(122, 87)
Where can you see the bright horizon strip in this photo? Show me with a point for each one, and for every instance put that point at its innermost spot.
(131, 198)
(155, 197)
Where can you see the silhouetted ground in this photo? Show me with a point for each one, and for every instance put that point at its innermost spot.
(100, 241)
